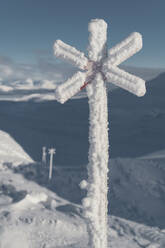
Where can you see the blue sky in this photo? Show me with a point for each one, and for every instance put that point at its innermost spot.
(28, 28)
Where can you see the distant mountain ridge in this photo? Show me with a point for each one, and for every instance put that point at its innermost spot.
(145, 73)
(136, 124)
(28, 88)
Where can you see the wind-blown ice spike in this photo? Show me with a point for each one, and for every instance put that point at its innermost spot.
(72, 86)
(125, 49)
(67, 52)
(125, 80)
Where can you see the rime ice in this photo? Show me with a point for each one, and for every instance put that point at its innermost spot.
(100, 67)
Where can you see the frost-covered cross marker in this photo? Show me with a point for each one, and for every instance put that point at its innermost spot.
(100, 66)
(52, 151)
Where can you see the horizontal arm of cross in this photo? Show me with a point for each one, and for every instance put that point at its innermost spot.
(125, 80)
(71, 54)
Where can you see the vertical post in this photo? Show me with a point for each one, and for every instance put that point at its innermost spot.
(95, 204)
(44, 155)
(51, 152)
(100, 67)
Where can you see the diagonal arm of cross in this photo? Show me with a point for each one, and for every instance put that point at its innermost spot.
(108, 68)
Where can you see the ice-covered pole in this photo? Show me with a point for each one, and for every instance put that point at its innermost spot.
(101, 66)
(52, 151)
(95, 204)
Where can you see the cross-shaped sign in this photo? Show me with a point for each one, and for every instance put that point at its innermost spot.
(99, 67)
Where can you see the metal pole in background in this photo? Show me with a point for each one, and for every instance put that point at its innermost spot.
(52, 151)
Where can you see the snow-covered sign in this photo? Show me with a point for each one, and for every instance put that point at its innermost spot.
(99, 67)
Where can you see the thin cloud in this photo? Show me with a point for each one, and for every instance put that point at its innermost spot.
(45, 68)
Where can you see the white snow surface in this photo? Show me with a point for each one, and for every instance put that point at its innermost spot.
(11, 151)
(40, 218)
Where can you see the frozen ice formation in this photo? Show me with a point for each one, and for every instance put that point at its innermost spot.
(70, 53)
(107, 66)
(70, 87)
(100, 66)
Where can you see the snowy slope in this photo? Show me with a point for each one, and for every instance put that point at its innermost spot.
(136, 188)
(11, 151)
(28, 217)
(32, 215)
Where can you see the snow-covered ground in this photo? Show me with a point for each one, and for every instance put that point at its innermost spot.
(36, 212)
(32, 213)
(12, 152)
